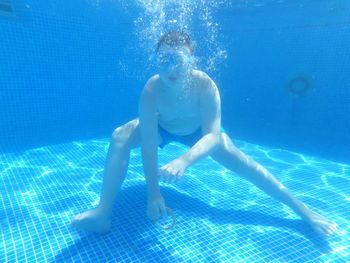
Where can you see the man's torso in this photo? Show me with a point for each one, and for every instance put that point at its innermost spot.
(180, 114)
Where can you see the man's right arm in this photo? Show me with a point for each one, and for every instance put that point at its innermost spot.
(149, 138)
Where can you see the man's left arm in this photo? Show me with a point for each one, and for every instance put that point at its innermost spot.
(210, 110)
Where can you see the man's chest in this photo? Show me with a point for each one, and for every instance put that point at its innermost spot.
(178, 107)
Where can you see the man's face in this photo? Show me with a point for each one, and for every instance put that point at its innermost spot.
(174, 64)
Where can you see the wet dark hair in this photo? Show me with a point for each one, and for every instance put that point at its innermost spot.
(175, 39)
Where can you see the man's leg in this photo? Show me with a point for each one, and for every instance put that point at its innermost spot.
(234, 159)
(123, 139)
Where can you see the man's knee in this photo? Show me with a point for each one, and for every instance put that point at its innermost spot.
(228, 151)
(122, 135)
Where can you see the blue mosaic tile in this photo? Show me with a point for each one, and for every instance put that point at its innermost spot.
(220, 216)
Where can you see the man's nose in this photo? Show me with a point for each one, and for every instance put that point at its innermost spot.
(171, 67)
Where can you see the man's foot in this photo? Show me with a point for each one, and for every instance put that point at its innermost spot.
(93, 221)
(321, 224)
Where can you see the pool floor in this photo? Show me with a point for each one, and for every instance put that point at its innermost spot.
(220, 216)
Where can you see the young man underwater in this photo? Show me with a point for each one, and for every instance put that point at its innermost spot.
(180, 104)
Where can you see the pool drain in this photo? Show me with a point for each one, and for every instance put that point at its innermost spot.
(300, 85)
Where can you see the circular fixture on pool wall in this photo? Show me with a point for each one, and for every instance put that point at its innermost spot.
(300, 85)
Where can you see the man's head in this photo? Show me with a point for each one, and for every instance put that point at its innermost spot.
(174, 57)
(175, 39)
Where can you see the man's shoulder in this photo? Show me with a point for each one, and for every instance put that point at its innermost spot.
(200, 75)
(203, 80)
(151, 84)
(152, 81)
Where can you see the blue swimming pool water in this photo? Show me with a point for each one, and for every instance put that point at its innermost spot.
(72, 71)
(220, 217)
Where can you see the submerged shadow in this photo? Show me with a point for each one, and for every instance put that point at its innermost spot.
(133, 235)
(232, 216)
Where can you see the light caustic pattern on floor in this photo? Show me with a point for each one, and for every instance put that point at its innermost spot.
(220, 217)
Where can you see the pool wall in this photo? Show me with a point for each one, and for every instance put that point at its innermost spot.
(271, 46)
(73, 71)
(63, 72)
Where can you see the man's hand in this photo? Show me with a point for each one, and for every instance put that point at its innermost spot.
(156, 207)
(173, 171)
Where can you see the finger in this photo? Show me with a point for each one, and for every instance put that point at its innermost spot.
(160, 172)
(163, 210)
(174, 177)
(164, 167)
(164, 175)
(178, 177)
(156, 213)
(168, 177)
